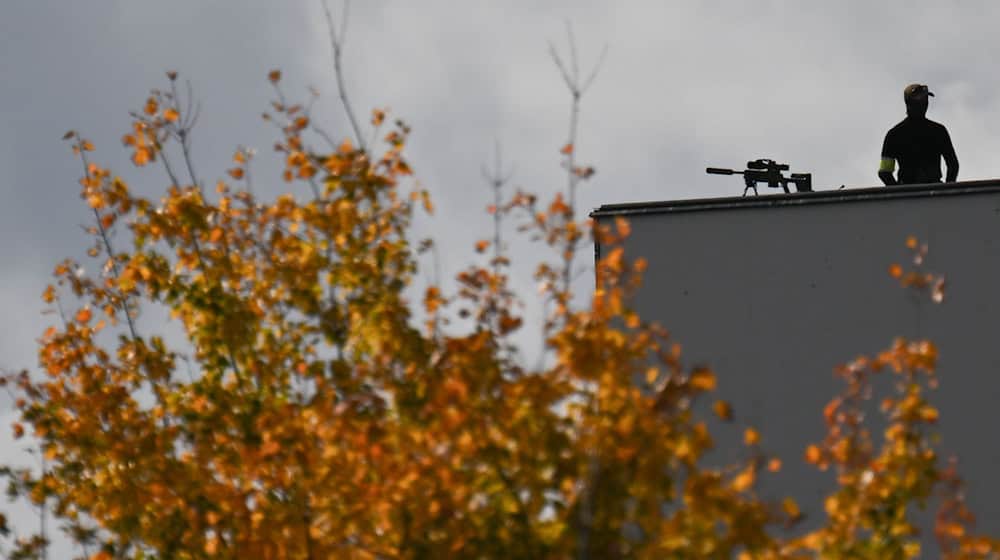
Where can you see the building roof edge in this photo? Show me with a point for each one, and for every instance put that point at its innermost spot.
(867, 194)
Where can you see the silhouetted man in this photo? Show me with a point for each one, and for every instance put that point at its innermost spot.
(918, 144)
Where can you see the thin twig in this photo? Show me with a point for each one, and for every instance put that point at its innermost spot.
(571, 76)
(497, 178)
(111, 254)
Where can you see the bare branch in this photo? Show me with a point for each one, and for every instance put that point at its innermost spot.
(562, 68)
(337, 44)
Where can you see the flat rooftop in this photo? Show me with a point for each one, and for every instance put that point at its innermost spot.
(868, 194)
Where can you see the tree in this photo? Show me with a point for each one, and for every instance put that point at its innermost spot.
(305, 412)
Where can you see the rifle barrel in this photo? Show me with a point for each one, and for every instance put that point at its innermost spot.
(720, 171)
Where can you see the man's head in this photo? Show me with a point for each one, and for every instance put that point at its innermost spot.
(915, 96)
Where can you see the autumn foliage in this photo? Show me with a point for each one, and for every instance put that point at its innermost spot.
(249, 378)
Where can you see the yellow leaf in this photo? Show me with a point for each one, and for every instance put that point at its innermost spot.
(751, 436)
(652, 374)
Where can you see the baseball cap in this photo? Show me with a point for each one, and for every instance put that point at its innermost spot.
(916, 91)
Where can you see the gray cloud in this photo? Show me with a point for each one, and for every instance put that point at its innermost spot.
(684, 86)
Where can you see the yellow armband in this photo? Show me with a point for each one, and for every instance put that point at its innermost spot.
(887, 164)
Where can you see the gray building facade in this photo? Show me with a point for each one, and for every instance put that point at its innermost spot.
(773, 292)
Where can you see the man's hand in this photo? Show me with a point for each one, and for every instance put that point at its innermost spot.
(885, 171)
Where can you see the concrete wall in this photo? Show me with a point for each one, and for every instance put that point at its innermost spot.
(775, 291)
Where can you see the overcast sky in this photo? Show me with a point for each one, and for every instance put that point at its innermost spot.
(684, 86)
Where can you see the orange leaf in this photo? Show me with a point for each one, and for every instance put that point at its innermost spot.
(723, 410)
(751, 436)
(624, 229)
(632, 320)
(307, 171)
(269, 448)
(86, 146)
(482, 245)
(346, 146)
(703, 379)
(744, 480)
(171, 115)
(895, 270)
(813, 454)
(774, 465)
(791, 508)
(929, 414)
(83, 315)
(141, 157)
(236, 173)
(151, 106)
(911, 242)
(273, 76)
(567, 149)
